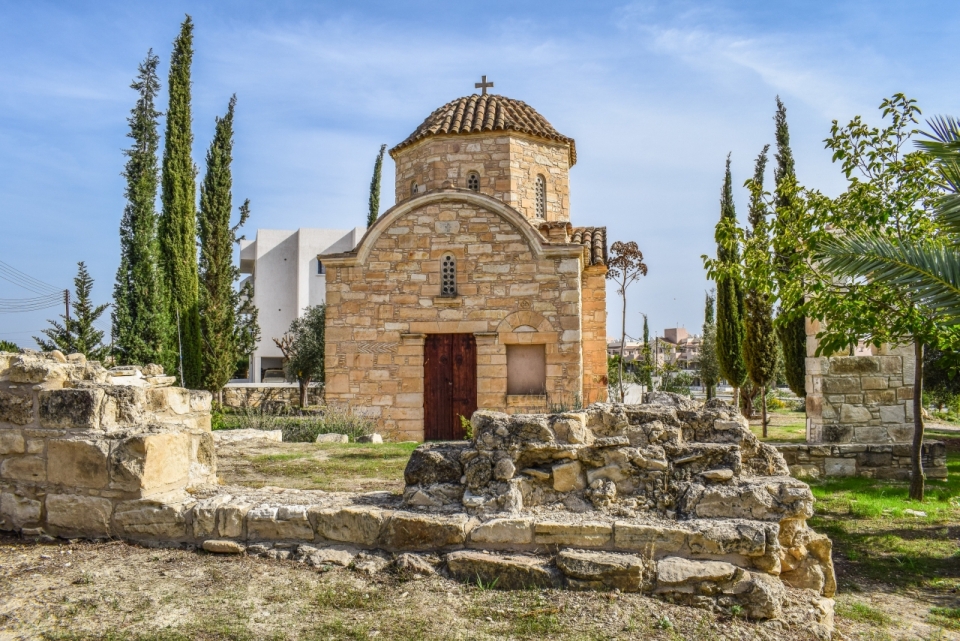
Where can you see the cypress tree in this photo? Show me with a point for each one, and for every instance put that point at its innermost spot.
(141, 314)
(78, 333)
(760, 345)
(218, 274)
(647, 363)
(375, 188)
(178, 222)
(791, 331)
(730, 328)
(709, 367)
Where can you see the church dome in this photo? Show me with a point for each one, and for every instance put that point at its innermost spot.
(482, 113)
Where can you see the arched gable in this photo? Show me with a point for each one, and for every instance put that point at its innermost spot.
(525, 317)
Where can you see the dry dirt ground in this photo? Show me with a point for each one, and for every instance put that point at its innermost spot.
(114, 590)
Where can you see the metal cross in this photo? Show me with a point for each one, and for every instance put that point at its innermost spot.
(482, 85)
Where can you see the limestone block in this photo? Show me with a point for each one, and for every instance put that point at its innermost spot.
(902, 433)
(145, 519)
(11, 442)
(588, 534)
(612, 570)
(675, 572)
(854, 413)
(503, 532)
(358, 525)
(24, 468)
(568, 477)
(434, 463)
(268, 523)
(152, 463)
(874, 383)
(79, 408)
(507, 572)
(841, 385)
(870, 434)
(652, 540)
(233, 436)
(205, 516)
(76, 464)
(122, 406)
(411, 531)
(840, 467)
(329, 556)
(571, 428)
(332, 438)
(735, 536)
(18, 511)
(412, 564)
(223, 547)
(854, 364)
(37, 368)
(808, 471)
(15, 408)
(172, 400)
(230, 518)
(891, 414)
(73, 515)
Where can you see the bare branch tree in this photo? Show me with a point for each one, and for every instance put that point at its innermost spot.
(624, 267)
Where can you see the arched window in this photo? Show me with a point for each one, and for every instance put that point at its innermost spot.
(448, 276)
(473, 181)
(541, 196)
(413, 188)
(321, 270)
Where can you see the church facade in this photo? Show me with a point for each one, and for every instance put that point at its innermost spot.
(474, 290)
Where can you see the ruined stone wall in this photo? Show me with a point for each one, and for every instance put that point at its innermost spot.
(82, 448)
(878, 460)
(379, 311)
(859, 399)
(246, 395)
(508, 165)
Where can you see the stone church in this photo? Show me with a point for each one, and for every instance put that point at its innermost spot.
(474, 289)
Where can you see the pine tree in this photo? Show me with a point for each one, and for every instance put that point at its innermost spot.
(77, 334)
(375, 188)
(178, 222)
(218, 274)
(791, 330)
(141, 312)
(709, 366)
(730, 328)
(760, 345)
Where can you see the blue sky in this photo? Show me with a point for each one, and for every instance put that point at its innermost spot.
(655, 94)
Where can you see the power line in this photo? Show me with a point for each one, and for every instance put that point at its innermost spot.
(17, 305)
(13, 275)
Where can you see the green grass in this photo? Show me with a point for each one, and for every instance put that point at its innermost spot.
(329, 465)
(945, 618)
(863, 613)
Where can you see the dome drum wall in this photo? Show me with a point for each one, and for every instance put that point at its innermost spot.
(508, 165)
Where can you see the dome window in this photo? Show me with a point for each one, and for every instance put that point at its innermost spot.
(413, 188)
(448, 276)
(541, 196)
(473, 181)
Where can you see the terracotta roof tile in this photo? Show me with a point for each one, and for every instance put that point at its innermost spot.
(595, 240)
(490, 112)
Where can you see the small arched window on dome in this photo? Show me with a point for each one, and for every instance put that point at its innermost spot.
(413, 188)
(448, 276)
(541, 196)
(473, 181)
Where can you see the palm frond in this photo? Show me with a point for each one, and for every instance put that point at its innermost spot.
(927, 273)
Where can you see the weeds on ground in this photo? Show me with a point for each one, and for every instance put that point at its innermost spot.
(945, 618)
(863, 613)
(300, 426)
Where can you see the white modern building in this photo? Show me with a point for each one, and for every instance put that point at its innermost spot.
(287, 278)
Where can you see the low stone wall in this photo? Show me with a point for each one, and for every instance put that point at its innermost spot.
(241, 395)
(880, 461)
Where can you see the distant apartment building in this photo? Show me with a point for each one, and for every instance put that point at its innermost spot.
(675, 347)
(287, 278)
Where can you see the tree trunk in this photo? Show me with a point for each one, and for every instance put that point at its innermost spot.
(623, 338)
(917, 478)
(763, 405)
(736, 398)
(304, 385)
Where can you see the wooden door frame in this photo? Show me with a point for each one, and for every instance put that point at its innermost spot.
(451, 390)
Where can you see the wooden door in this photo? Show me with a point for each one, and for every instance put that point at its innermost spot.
(449, 384)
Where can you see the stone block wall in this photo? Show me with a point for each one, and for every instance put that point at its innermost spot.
(80, 445)
(594, 334)
(508, 165)
(247, 395)
(859, 399)
(880, 461)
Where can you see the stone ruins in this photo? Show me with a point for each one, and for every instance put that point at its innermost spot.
(670, 498)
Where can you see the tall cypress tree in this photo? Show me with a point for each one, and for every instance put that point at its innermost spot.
(647, 361)
(709, 366)
(178, 222)
(375, 188)
(760, 345)
(730, 329)
(791, 331)
(217, 272)
(141, 312)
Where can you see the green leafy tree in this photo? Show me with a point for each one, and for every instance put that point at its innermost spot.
(178, 221)
(647, 370)
(728, 277)
(788, 259)
(760, 339)
(375, 188)
(8, 346)
(878, 228)
(141, 309)
(625, 266)
(78, 334)
(941, 375)
(218, 274)
(709, 365)
(304, 349)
